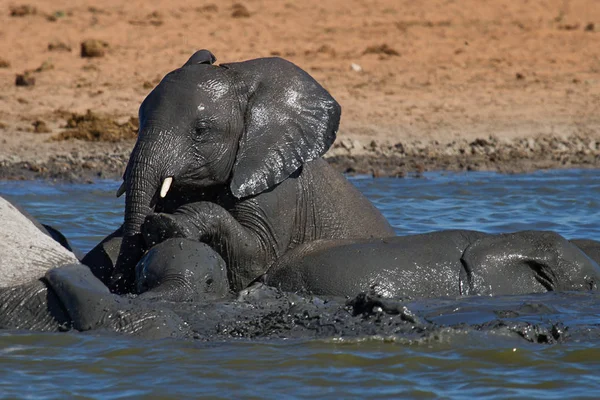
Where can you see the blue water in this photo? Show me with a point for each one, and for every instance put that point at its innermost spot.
(89, 366)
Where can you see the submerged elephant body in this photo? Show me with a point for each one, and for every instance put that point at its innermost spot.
(184, 288)
(70, 296)
(451, 263)
(447, 263)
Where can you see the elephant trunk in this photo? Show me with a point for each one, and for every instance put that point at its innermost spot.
(143, 178)
(142, 182)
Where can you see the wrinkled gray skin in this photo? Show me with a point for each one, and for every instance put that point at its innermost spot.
(262, 312)
(242, 142)
(177, 269)
(181, 270)
(589, 247)
(103, 257)
(90, 306)
(60, 295)
(70, 296)
(446, 263)
(27, 248)
(47, 229)
(27, 251)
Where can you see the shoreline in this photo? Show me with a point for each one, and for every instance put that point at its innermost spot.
(83, 161)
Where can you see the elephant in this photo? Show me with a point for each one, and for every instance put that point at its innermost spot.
(70, 296)
(180, 270)
(232, 153)
(80, 301)
(46, 247)
(449, 263)
(44, 287)
(28, 249)
(173, 270)
(590, 247)
(263, 312)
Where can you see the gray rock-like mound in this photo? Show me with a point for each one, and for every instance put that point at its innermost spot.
(19, 233)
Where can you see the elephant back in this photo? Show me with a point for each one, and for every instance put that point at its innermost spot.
(26, 252)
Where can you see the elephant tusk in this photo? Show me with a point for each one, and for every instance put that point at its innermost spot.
(166, 186)
(121, 189)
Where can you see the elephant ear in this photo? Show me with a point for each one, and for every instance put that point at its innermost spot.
(201, 57)
(290, 119)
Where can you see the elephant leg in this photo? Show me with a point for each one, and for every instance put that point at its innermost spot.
(32, 306)
(525, 262)
(244, 250)
(91, 306)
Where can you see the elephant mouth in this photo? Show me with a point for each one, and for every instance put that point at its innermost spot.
(174, 193)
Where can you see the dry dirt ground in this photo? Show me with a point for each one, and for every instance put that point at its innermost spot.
(432, 84)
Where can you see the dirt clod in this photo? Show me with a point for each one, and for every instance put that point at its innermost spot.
(569, 27)
(56, 15)
(46, 66)
(40, 126)
(93, 48)
(4, 63)
(381, 49)
(154, 18)
(25, 79)
(98, 127)
(58, 46)
(324, 49)
(239, 11)
(209, 8)
(22, 10)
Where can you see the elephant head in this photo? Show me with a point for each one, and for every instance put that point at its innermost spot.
(243, 126)
(181, 270)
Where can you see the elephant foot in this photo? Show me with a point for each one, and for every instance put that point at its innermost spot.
(159, 227)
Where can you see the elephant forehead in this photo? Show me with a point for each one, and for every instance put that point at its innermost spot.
(292, 97)
(215, 89)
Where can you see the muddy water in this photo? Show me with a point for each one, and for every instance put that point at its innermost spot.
(447, 365)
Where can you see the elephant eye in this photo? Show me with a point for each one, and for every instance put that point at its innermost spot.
(201, 127)
(201, 124)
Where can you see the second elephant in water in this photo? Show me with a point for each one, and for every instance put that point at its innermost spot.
(446, 263)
